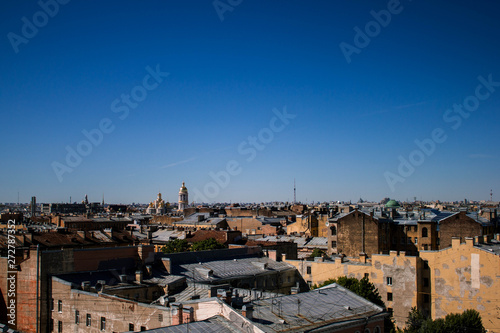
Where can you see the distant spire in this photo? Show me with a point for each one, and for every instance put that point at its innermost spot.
(103, 199)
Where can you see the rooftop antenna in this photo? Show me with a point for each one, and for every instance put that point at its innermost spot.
(294, 192)
(491, 195)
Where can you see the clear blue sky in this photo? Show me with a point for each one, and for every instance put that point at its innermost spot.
(353, 120)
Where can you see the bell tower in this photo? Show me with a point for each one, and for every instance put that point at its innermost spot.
(183, 197)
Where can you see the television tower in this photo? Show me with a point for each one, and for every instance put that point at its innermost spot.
(294, 192)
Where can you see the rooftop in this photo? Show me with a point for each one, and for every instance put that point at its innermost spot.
(305, 311)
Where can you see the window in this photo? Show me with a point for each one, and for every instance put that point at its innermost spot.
(367, 330)
(59, 306)
(131, 327)
(334, 230)
(77, 317)
(426, 298)
(143, 328)
(415, 228)
(376, 330)
(426, 282)
(416, 240)
(389, 280)
(308, 269)
(51, 304)
(389, 297)
(89, 320)
(51, 325)
(424, 232)
(59, 326)
(160, 317)
(437, 241)
(103, 323)
(334, 244)
(409, 240)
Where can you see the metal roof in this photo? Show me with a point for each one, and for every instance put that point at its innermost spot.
(208, 271)
(312, 309)
(216, 324)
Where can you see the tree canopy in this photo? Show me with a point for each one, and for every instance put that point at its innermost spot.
(207, 244)
(363, 288)
(467, 321)
(175, 246)
(181, 245)
(317, 253)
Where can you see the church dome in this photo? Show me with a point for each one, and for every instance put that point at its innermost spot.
(183, 188)
(392, 204)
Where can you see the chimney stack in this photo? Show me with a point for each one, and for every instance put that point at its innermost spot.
(176, 313)
(86, 285)
(247, 311)
(187, 314)
(138, 276)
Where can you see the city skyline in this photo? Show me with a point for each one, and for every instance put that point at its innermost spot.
(360, 100)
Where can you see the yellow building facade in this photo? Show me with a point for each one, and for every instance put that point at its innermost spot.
(464, 276)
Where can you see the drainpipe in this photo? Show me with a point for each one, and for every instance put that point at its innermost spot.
(363, 235)
(37, 281)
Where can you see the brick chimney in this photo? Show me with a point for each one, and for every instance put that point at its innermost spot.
(247, 311)
(187, 314)
(272, 254)
(177, 316)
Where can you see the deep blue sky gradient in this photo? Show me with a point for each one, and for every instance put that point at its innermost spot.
(352, 121)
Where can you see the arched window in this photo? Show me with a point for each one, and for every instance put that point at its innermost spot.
(334, 230)
(376, 330)
(424, 232)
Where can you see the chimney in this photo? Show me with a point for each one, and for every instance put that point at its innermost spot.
(272, 254)
(455, 242)
(224, 295)
(176, 313)
(362, 257)
(469, 241)
(167, 264)
(100, 285)
(86, 285)
(123, 278)
(187, 314)
(478, 240)
(138, 276)
(486, 239)
(247, 311)
(497, 237)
